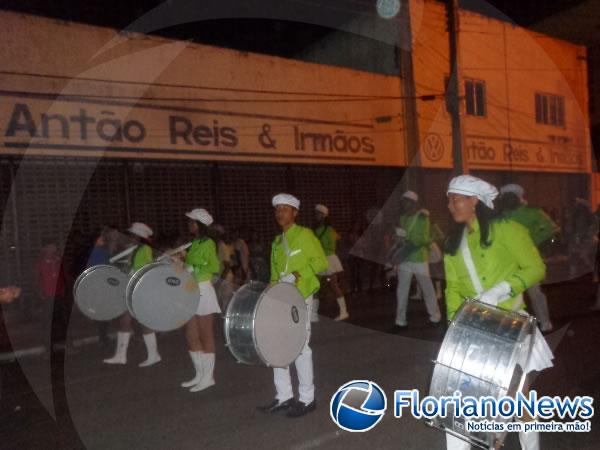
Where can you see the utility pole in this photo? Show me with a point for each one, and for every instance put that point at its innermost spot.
(407, 78)
(453, 94)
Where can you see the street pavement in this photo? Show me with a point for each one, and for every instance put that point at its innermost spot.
(74, 401)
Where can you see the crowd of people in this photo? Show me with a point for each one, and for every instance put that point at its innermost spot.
(493, 251)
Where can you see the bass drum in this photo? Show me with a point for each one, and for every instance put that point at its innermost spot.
(479, 357)
(100, 292)
(162, 296)
(266, 325)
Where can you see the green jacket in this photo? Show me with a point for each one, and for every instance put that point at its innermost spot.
(306, 257)
(141, 257)
(512, 257)
(327, 236)
(202, 257)
(417, 233)
(538, 223)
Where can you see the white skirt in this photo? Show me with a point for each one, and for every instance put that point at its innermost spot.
(208, 300)
(541, 354)
(335, 265)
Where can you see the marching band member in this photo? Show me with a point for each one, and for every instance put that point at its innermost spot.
(203, 263)
(494, 260)
(414, 227)
(327, 236)
(141, 256)
(541, 228)
(296, 257)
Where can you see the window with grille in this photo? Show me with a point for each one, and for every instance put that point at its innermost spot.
(550, 109)
(475, 100)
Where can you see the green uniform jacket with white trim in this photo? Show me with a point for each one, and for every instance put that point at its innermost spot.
(540, 225)
(306, 257)
(202, 257)
(512, 257)
(327, 236)
(417, 228)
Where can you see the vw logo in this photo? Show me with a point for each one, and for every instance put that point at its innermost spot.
(358, 406)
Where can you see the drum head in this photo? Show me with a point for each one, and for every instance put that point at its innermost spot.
(163, 297)
(280, 325)
(100, 292)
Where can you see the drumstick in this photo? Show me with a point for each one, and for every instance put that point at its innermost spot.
(123, 254)
(175, 251)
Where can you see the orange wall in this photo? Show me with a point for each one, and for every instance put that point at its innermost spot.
(514, 63)
(287, 110)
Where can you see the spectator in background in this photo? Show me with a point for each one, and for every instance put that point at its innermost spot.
(225, 282)
(259, 258)
(242, 256)
(9, 294)
(355, 263)
(52, 290)
(104, 247)
(582, 238)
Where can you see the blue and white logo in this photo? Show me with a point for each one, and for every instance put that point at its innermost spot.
(358, 406)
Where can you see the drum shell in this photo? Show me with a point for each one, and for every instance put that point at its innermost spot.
(249, 333)
(478, 357)
(99, 292)
(162, 297)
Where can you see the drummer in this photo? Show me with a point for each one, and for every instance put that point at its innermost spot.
(296, 257)
(202, 261)
(328, 236)
(541, 229)
(494, 260)
(142, 255)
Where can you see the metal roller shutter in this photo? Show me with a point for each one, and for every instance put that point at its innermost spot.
(9, 267)
(161, 192)
(245, 193)
(331, 186)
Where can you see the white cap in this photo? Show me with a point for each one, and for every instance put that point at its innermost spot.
(322, 209)
(141, 229)
(411, 195)
(201, 215)
(473, 187)
(286, 199)
(513, 188)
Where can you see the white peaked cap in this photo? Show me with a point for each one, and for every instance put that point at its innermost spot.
(201, 215)
(474, 187)
(411, 195)
(322, 209)
(140, 229)
(286, 199)
(514, 189)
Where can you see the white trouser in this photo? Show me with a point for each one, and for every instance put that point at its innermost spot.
(539, 304)
(304, 368)
(406, 270)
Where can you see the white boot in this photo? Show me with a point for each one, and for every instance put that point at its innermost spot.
(341, 301)
(530, 440)
(151, 349)
(207, 360)
(121, 352)
(197, 361)
(314, 317)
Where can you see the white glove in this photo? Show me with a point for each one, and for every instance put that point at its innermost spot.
(289, 278)
(400, 232)
(496, 294)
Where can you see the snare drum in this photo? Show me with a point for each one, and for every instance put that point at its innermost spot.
(100, 292)
(480, 357)
(162, 296)
(266, 325)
